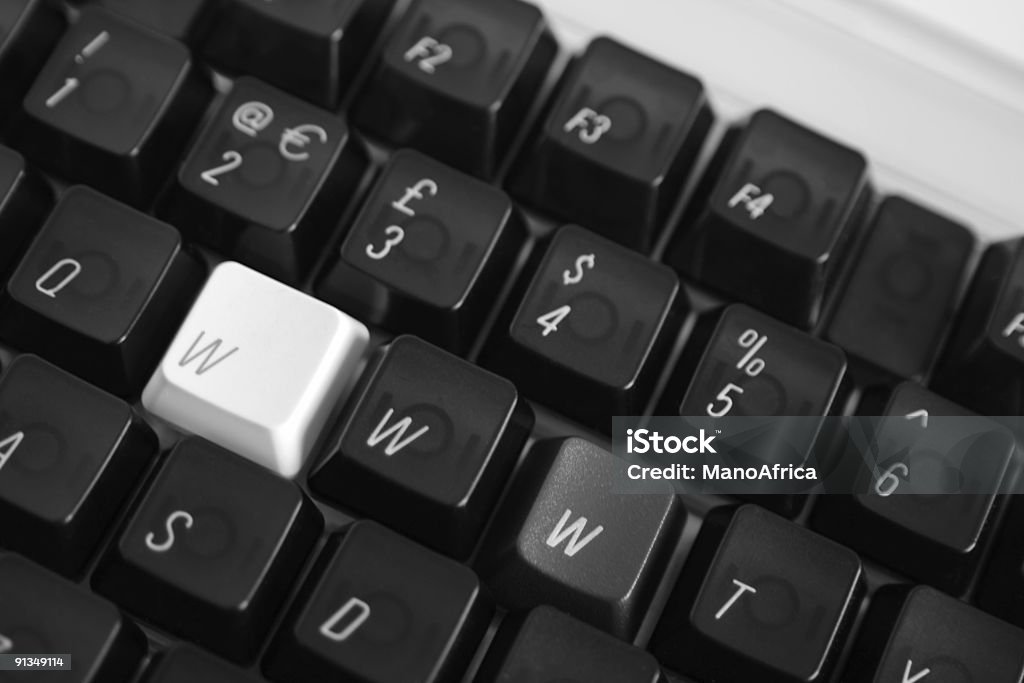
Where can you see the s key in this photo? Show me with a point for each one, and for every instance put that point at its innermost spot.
(592, 330)
(113, 107)
(266, 180)
(435, 432)
(427, 254)
(100, 291)
(212, 550)
(456, 80)
(759, 599)
(772, 229)
(615, 150)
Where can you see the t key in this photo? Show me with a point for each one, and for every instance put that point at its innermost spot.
(456, 80)
(565, 539)
(615, 150)
(592, 330)
(113, 106)
(256, 367)
(428, 253)
(213, 549)
(101, 291)
(69, 456)
(435, 432)
(772, 230)
(266, 180)
(758, 586)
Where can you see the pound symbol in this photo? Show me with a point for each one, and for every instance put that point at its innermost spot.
(415, 192)
(164, 546)
(252, 117)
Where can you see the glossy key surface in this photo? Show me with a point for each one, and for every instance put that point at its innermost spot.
(615, 149)
(212, 550)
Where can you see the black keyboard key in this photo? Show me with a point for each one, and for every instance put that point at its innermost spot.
(41, 613)
(590, 335)
(101, 291)
(311, 48)
(546, 645)
(28, 31)
(213, 549)
(904, 289)
(1001, 588)
(983, 364)
(187, 665)
(382, 610)
(24, 202)
(772, 230)
(919, 635)
(615, 149)
(759, 599)
(428, 253)
(565, 538)
(456, 80)
(435, 432)
(266, 180)
(69, 456)
(113, 107)
(185, 20)
(925, 492)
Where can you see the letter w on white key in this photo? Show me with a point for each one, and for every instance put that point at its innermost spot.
(208, 354)
(573, 533)
(397, 433)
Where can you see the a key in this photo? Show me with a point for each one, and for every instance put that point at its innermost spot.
(69, 456)
(256, 367)
(590, 335)
(28, 31)
(547, 645)
(24, 202)
(772, 229)
(212, 550)
(42, 613)
(919, 635)
(435, 432)
(759, 599)
(755, 366)
(188, 21)
(456, 80)
(615, 149)
(185, 664)
(904, 289)
(101, 291)
(266, 180)
(565, 539)
(382, 610)
(428, 253)
(1001, 587)
(982, 367)
(925, 491)
(112, 107)
(312, 49)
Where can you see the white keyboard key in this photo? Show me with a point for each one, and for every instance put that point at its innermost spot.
(256, 367)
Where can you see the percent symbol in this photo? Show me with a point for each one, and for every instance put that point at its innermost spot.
(752, 340)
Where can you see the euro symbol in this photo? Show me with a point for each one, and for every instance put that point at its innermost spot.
(252, 117)
(299, 137)
(571, 278)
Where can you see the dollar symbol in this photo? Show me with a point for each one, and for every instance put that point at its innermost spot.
(571, 278)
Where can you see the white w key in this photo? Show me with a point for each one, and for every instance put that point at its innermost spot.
(257, 367)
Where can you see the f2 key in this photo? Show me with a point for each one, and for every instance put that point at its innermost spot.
(265, 180)
(113, 107)
(592, 329)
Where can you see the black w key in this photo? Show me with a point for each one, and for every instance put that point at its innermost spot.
(266, 180)
(213, 549)
(69, 456)
(592, 330)
(113, 106)
(566, 539)
(428, 253)
(100, 291)
(759, 599)
(435, 432)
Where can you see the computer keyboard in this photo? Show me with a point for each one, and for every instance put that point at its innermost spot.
(316, 315)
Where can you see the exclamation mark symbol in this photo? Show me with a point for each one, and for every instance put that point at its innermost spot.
(94, 46)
